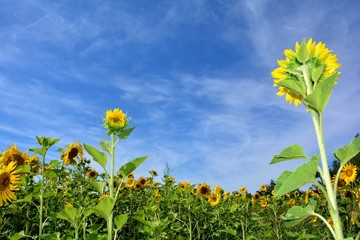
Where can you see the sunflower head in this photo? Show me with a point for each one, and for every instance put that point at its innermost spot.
(243, 189)
(92, 174)
(263, 188)
(301, 70)
(34, 162)
(115, 121)
(13, 154)
(348, 173)
(203, 190)
(72, 153)
(9, 179)
(214, 199)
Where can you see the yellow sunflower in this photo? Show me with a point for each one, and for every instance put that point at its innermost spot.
(214, 199)
(184, 184)
(264, 201)
(92, 173)
(256, 196)
(348, 173)
(73, 152)
(318, 60)
(263, 188)
(13, 154)
(203, 190)
(8, 181)
(153, 173)
(115, 121)
(130, 182)
(243, 189)
(141, 182)
(34, 162)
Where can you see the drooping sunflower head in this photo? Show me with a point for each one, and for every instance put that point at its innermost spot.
(9, 179)
(256, 196)
(115, 121)
(34, 162)
(348, 173)
(203, 190)
(72, 153)
(153, 173)
(302, 69)
(214, 199)
(13, 154)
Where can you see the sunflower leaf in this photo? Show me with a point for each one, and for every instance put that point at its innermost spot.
(346, 153)
(106, 146)
(298, 87)
(302, 54)
(98, 186)
(129, 167)
(120, 221)
(321, 94)
(297, 214)
(104, 207)
(289, 181)
(124, 134)
(99, 157)
(290, 153)
(316, 73)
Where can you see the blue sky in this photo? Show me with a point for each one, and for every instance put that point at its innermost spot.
(194, 76)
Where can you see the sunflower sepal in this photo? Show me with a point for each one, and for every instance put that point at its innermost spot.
(317, 73)
(349, 151)
(303, 54)
(304, 174)
(320, 96)
(297, 87)
(124, 134)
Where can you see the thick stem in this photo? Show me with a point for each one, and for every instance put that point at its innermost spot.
(317, 119)
(41, 196)
(111, 185)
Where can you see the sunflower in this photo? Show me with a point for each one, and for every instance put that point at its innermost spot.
(34, 162)
(184, 184)
(318, 60)
(203, 190)
(214, 199)
(73, 152)
(13, 154)
(218, 190)
(92, 173)
(243, 189)
(348, 173)
(115, 121)
(130, 182)
(153, 173)
(226, 196)
(8, 181)
(263, 188)
(141, 182)
(264, 201)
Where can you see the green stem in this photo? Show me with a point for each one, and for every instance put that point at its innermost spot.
(41, 196)
(326, 223)
(111, 185)
(317, 119)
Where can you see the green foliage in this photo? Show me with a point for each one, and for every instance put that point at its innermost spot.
(99, 157)
(290, 153)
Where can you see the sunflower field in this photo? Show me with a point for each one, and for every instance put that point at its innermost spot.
(66, 198)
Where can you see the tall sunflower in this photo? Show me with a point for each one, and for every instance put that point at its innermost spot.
(348, 173)
(13, 154)
(73, 152)
(315, 58)
(8, 181)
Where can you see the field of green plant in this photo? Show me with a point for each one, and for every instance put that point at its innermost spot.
(66, 198)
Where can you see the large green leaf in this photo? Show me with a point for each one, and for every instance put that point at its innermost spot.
(99, 186)
(289, 181)
(316, 73)
(106, 146)
(346, 153)
(297, 214)
(290, 153)
(70, 214)
(99, 157)
(105, 207)
(321, 94)
(129, 167)
(120, 221)
(18, 235)
(295, 86)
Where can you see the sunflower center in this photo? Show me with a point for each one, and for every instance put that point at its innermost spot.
(73, 153)
(203, 190)
(19, 159)
(4, 181)
(349, 173)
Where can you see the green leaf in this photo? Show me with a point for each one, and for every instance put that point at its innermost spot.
(125, 133)
(47, 142)
(316, 73)
(18, 235)
(290, 153)
(229, 231)
(54, 163)
(129, 167)
(321, 94)
(40, 151)
(70, 214)
(23, 168)
(295, 86)
(297, 214)
(106, 146)
(95, 228)
(27, 198)
(303, 55)
(99, 186)
(120, 221)
(105, 207)
(347, 152)
(289, 181)
(99, 157)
